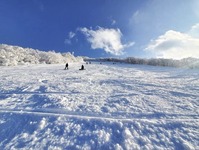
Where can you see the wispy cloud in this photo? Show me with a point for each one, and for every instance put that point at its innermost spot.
(195, 7)
(107, 39)
(135, 17)
(176, 45)
(194, 31)
(113, 22)
(70, 36)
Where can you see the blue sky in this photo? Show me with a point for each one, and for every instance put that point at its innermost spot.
(103, 28)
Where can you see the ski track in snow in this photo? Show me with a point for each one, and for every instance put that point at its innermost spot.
(106, 106)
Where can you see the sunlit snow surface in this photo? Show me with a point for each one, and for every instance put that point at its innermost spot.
(106, 106)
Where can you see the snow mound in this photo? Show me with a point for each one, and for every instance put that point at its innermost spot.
(15, 55)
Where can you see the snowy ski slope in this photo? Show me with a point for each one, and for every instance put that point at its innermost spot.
(106, 106)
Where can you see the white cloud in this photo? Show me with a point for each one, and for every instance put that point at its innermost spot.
(107, 39)
(175, 45)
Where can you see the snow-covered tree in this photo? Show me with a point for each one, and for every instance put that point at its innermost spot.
(15, 55)
(186, 62)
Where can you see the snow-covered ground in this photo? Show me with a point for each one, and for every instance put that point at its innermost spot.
(106, 106)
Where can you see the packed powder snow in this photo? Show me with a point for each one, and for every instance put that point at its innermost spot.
(105, 106)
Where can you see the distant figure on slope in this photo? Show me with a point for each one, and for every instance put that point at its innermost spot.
(82, 68)
(66, 67)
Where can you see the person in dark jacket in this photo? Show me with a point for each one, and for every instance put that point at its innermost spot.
(66, 67)
(82, 68)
